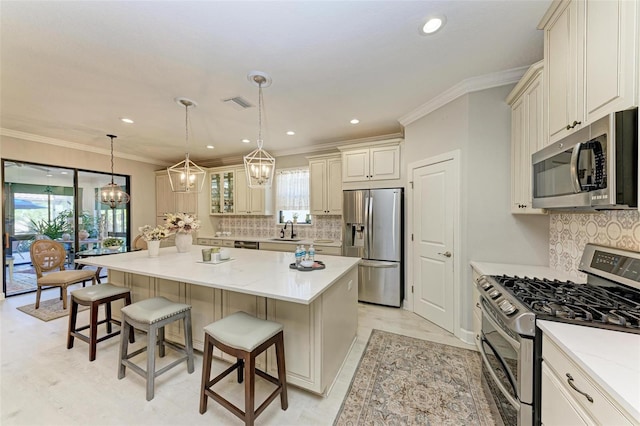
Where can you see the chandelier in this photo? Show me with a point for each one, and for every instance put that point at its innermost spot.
(111, 194)
(186, 176)
(259, 165)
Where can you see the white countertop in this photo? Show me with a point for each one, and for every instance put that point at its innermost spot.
(257, 272)
(611, 358)
(306, 241)
(486, 268)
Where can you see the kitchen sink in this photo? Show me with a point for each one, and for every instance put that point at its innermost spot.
(288, 240)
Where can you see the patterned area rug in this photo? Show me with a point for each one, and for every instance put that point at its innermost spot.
(407, 381)
(49, 309)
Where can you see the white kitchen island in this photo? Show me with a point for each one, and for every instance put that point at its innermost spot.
(319, 309)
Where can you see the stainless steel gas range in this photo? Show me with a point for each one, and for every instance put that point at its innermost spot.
(511, 344)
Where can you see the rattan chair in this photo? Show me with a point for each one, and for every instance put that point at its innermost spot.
(139, 243)
(48, 258)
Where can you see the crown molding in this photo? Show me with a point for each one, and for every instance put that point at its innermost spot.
(334, 145)
(72, 145)
(533, 71)
(469, 85)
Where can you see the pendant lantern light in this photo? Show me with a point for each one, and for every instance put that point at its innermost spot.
(259, 165)
(112, 194)
(186, 176)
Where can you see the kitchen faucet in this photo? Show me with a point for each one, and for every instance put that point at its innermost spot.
(293, 234)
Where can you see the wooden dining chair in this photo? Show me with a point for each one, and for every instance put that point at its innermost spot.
(139, 243)
(48, 258)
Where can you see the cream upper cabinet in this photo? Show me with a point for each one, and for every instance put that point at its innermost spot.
(376, 162)
(325, 185)
(563, 59)
(222, 192)
(526, 136)
(611, 57)
(590, 62)
(168, 201)
(250, 201)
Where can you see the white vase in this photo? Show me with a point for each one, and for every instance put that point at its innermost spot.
(154, 248)
(183, 242)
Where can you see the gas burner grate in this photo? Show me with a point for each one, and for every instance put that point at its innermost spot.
(579, 303)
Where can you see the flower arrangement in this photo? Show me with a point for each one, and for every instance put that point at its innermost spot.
(150, 233)
(181, 222)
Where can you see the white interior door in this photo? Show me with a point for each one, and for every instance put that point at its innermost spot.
(433, 235)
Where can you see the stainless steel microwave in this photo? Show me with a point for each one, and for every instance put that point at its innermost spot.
(595, 168)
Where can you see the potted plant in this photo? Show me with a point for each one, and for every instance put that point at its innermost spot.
(52, 229)
(112, 243)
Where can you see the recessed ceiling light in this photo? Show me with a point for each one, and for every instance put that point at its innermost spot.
(210, 146)
(127, 120)
(245, 141)
(354, 121)
(63, 173)
(433, 24)
(291, 133)
(49, 175)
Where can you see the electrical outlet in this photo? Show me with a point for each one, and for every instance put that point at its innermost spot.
(350, 285)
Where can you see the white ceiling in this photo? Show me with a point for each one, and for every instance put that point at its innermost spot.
(71, 69)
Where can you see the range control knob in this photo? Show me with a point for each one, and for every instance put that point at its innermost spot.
(507, 307)
(495, 294)
(486, 285)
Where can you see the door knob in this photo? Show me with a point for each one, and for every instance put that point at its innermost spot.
(446, 254)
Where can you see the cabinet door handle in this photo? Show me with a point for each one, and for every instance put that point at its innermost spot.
(477, 304)
(573, 125)
(570, 381)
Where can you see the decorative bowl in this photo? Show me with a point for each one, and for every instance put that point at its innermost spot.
(307, 263)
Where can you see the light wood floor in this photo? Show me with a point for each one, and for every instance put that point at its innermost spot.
(43, 383)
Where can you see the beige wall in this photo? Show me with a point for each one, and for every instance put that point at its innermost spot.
(479, 125)
(142, 177)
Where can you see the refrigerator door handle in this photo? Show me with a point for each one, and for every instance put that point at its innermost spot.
(370, 224)
(378, 264)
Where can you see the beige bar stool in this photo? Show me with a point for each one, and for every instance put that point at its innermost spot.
(94, 296)
(244, 337)
(151, 316)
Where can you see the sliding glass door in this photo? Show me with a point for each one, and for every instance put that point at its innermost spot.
(62, 204)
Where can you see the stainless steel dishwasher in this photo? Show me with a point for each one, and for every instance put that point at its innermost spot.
(251, 245)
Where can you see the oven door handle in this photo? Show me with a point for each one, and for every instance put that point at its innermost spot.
(513, 342)
(494, 376)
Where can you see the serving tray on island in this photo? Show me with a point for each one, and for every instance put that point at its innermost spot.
(316, 265)
(213, 262)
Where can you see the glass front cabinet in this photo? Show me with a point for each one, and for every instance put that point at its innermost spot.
(222, 192)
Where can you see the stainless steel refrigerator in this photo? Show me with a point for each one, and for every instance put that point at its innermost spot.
(373, 230)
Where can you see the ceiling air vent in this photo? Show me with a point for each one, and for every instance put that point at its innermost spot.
(238, 103)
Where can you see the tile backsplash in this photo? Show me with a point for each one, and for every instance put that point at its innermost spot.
(323, 227)
(570, 232)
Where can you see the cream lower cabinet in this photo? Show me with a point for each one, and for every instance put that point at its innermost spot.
(286, 247)
(317, 336)
(214, 242)
(526, 137)
(477, 312)
(570, 396)
(325, 184)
